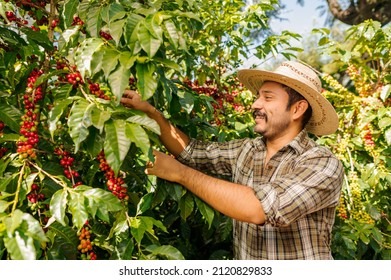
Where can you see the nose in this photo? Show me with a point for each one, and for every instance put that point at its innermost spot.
(258, 104)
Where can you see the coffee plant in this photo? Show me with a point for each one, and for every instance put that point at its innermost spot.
(72, 158)
(358, 84)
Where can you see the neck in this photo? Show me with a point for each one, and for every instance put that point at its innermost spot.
(276, 143)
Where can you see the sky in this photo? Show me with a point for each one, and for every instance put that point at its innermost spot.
(300, 19)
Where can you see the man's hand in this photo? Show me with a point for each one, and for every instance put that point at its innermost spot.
(165, 167)
(132, 99)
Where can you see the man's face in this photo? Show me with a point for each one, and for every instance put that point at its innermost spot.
(271, 116)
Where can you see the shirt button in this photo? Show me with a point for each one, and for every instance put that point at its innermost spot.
(269, 167)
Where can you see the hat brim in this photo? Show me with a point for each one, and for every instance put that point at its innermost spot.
(324, 119)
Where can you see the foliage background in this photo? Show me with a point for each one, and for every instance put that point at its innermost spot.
(63, 68)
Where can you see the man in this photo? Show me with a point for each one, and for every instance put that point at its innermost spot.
(284, 188)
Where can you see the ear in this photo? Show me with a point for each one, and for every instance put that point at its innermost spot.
(298, 109)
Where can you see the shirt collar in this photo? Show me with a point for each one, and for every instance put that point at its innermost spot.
(300, 142)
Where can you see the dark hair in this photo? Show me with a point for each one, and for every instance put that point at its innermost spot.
(294, 97)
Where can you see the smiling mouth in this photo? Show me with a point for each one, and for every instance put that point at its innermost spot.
(257, 114)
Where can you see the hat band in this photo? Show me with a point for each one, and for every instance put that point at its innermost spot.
(294, 69)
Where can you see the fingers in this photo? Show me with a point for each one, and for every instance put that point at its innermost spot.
(129, 93)
(150, 164)
(127, 98)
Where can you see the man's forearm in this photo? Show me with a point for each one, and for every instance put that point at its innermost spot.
(236, 201)
(172, 138)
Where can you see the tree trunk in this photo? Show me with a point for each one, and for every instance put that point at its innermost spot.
(361, 10)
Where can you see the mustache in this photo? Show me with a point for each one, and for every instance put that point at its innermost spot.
(259, 113)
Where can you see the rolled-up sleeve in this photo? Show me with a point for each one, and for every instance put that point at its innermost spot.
(213, 157)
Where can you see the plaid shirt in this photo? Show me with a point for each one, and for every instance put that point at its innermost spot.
(299, 189)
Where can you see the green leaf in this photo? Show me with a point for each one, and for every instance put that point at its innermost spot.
(152, 23)
(206, 211)
(13, 137)
(186, 205)
(62, 92)
(101, 202)
(125, 249)
(117, 29)
(94, 21)
(147, 41)
(384, 122)
(69, 36)
(147, 122)
(40, 38)
(116, 144)
(11, 37)
(131, 28)
(109, 61)
(58, 205)
(144, 203)
(116, 11)
(4, 205)
(23, 229)
(118, 81)
(77, 208)
(56, 113)
(69, 8)
(385, 92)
(10, 116)
(138, 228)
(34, 228)
(146, 82)
(20, 246)
(171, 33)
(186, 100)
(65, 242)
(85, 53)
(137, 135)
(77, 128)
(141, 224)
(127, 59)
(387, 135)
(120, 224)
(167, 251)
(5, 181)
(94, 143)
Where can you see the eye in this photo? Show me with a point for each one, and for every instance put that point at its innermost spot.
(268, 97)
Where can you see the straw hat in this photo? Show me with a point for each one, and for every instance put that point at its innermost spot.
(305, 81)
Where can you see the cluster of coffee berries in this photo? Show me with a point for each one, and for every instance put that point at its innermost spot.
(132, 83)
(30, 120)
(96, 90)
(77, 21)
(361, 81)
(105, 35)
(55, 23)
(75, 79)
(357, 211)
(18, 21)
(66, 161)
(85, 245)
(34, 195)
(341, 209)
(367, 137)
(114, 184)
(13, 18)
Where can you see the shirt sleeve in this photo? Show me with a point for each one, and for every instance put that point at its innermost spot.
(313, 183)
(212, 157)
